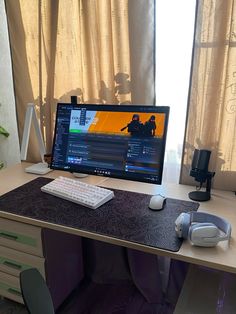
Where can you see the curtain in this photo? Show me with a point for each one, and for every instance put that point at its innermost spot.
(76, 47)
(211, 122)
(9, 142)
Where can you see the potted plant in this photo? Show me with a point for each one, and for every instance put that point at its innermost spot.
(6, 134)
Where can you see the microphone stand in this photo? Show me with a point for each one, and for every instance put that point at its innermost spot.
(202, 196)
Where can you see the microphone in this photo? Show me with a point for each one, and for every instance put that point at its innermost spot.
(200, 165)
(201, 174)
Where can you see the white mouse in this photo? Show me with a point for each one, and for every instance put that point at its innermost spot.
(157, 202)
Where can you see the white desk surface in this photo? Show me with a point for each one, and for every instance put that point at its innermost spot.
(223, 203)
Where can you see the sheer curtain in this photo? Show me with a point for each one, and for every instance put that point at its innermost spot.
(211, 120)
(88, 48)
(9, 147)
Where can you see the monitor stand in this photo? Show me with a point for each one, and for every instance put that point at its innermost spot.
(79, 175)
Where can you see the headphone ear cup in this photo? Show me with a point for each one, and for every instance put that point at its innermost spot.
(200, 232)
(193, 228)
(185, 225)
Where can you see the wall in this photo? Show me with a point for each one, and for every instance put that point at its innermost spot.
(9, 147)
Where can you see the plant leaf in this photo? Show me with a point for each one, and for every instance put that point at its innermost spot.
(4, 132)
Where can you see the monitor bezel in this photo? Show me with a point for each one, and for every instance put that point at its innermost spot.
(121, 108)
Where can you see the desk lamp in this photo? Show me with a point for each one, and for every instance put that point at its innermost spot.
(42, 167)
(201, 174)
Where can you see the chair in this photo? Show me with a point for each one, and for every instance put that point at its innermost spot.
(35, 292)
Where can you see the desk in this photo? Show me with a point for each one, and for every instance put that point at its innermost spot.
(223, 203)
(222, 257)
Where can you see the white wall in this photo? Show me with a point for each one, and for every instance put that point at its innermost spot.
(9, 147)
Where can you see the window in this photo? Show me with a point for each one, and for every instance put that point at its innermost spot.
(174, 41)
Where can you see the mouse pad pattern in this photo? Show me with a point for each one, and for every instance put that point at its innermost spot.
(125, 217)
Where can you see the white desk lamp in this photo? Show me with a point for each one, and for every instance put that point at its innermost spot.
(42, 167)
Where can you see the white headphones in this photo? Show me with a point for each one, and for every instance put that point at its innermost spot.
(202, 229)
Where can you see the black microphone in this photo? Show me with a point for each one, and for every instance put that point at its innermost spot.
(201, 174)
(200, 164)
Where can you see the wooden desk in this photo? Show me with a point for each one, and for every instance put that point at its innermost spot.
(223, 203)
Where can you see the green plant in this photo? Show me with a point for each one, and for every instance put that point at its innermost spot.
(3, 132)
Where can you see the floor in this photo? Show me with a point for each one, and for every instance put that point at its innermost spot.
(97, 299)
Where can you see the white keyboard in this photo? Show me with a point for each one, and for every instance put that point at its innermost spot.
(78, 192)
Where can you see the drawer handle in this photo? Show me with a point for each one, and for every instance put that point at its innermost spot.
(8, 236)
(13, 265)
(14, 291)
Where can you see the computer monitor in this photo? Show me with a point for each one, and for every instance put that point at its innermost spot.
(121, 141)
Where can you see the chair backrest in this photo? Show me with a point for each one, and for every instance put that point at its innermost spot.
(36, 295)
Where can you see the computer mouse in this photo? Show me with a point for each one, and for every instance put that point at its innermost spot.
(157, 202)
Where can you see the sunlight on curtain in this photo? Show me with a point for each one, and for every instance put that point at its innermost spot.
(102, 51)
(9, 147)
(93, 52)
(68, 47)
(212, 108)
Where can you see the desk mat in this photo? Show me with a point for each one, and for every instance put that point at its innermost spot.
(126, 217)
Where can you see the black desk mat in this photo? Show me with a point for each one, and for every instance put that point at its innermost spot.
(126, 217)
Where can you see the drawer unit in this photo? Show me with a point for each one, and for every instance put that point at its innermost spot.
(13, 262)
(57, 255)
(10, 287)
(21, 237)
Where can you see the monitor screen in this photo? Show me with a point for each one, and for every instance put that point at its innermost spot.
(121, 141)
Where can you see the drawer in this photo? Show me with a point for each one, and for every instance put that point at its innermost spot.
(13, 262)
(21, 237)
(10, 287)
